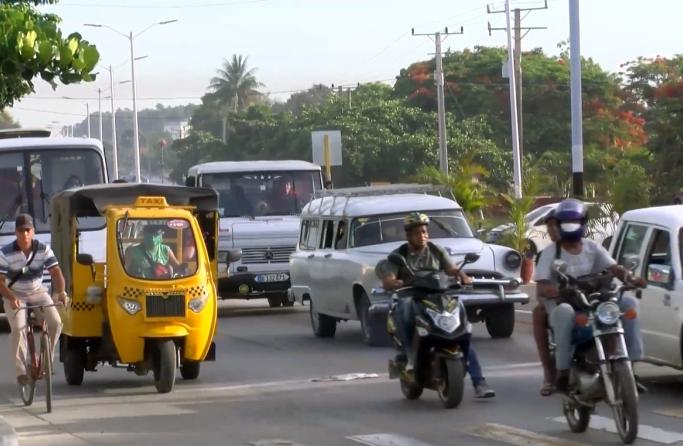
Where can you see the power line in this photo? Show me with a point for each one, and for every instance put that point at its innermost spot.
(188, 6)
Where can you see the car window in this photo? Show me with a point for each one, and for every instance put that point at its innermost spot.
(632, 241)
(303, 236)
(341, 236)
(328, 234)
(313, 234)
(658, 262)
(680, 244)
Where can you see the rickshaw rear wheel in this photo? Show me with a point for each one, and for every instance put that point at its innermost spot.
(189, 369)
(164, 364)
(74, 364)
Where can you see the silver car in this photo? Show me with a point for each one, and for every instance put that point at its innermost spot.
(345, 232)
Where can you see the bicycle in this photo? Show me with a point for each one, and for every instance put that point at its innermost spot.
(38, 365)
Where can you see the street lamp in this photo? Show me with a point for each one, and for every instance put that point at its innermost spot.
(132, 37)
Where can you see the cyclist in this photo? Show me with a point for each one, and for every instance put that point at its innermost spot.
(22, 263)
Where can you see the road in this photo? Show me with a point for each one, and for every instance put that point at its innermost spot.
(274, 384)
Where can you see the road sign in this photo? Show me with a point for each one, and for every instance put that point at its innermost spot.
(318, 147)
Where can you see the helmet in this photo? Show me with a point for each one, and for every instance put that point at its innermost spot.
(572, 216)
(415, 219)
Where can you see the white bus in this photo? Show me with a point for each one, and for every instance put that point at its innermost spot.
(33, 167)
(260, 203)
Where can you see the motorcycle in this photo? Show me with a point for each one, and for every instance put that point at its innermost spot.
(601, 369)
(441, 329)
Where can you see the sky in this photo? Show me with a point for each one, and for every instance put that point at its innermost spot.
(297, 43)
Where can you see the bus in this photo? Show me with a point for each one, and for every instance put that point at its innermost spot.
(33, 167)
(259, 203)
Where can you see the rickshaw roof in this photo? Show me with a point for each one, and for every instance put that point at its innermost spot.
(92, 200)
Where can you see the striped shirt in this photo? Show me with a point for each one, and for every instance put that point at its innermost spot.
(13, 260)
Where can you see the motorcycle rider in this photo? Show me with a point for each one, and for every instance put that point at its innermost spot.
(421, 255)
(582, 256)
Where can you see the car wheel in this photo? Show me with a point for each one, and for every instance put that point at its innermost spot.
(374, 335)
(274, 301)
(324, 326)
(500, 320)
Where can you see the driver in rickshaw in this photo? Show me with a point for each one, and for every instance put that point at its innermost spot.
(151, 259)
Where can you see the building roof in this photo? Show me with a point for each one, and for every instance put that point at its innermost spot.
(252, 166)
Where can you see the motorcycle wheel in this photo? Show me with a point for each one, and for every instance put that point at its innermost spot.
(578, 417)
(626, 413)
(411, 389)
(452, 384)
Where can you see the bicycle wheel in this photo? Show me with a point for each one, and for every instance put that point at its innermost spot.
(28, 390)
(46, 368)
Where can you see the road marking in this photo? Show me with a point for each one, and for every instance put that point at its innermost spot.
(645, 432)
(518, 437)
(387, 440)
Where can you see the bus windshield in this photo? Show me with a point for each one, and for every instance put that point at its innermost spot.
(253, 194)
(29, 179)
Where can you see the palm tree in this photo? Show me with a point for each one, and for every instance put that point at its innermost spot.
(234, 88)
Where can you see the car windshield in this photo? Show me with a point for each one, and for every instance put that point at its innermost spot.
(536, 213)
(157, 249)
(252, 194)
(29, 179)
(388, 228)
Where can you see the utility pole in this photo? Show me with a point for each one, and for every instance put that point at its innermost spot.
(577, 113)
(87, 110)
(99, 105)
(114, 154)
(518, 59)
(440, 103)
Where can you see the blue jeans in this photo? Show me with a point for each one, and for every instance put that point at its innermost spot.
(404, 317)
(562, 320)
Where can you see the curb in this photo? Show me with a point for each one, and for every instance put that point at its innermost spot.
(8, 437)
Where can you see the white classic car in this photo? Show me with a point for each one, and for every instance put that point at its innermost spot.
(601, 226)
(345, 232)
(655, 236)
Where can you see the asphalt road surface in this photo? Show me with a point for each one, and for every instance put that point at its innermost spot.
(273, 383)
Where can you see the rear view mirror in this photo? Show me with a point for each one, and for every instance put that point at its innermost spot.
(85, 259)
(560, 266)
(631, 262)
(190, 181)
(234, 255)
(659, 274)
(470, 257)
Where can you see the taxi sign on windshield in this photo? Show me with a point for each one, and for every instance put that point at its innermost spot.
(151, 202)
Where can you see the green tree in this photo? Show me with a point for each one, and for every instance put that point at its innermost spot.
(33, 45)
(313, 97)
(630, 187)
(235, 86)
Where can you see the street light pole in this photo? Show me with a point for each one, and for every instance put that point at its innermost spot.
(114, 155)
(99, 107)
(136, 136)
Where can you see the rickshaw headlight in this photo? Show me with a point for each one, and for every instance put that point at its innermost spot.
(130, 306)
(197, 304)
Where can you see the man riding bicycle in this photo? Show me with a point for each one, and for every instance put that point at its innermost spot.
(22, 263)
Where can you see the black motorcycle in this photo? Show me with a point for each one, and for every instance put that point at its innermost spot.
(441, 328)
(601, 369)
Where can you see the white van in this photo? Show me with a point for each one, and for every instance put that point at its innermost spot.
(260, 203)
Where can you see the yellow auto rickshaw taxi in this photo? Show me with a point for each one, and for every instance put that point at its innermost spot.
(140, 266)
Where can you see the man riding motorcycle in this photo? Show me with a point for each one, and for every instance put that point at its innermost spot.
(423, 255)
(583, 257)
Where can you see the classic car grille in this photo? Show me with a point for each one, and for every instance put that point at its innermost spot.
(478, 274)
(267, 255)
(172, 305)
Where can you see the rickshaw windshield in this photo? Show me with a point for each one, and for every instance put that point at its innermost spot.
(157, 249)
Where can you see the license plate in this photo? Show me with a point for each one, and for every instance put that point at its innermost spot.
(272, 277)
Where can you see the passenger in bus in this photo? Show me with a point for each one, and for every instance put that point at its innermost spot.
(73, 181)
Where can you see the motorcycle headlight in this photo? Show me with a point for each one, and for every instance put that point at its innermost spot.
(198, 303)
(608, 313)
(446, 321)
(130, 306)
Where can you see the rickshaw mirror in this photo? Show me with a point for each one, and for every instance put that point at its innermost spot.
(85, 259)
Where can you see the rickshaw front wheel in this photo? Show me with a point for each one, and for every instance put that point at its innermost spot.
(189, 369)
(164, 364)
(74, 364)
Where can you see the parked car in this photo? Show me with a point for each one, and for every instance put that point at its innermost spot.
(345, 232)
(655, 236)
(600, 229)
